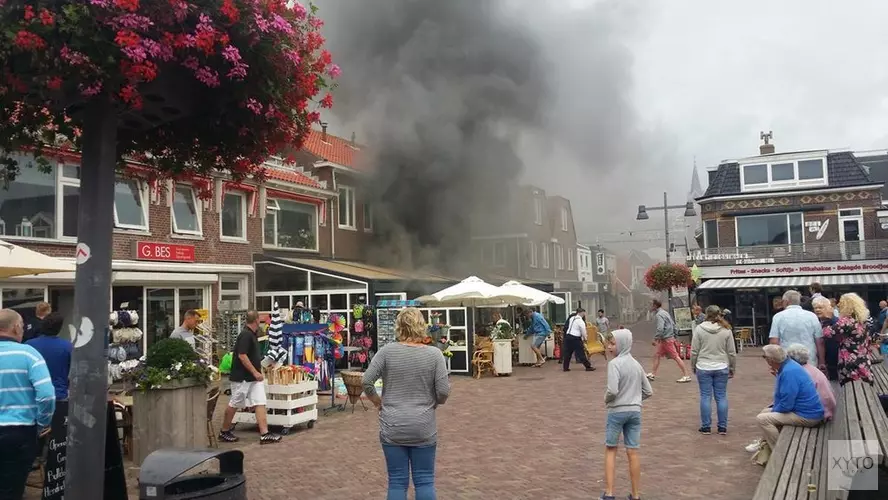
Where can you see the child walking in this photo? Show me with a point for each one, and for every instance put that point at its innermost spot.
(627, 387)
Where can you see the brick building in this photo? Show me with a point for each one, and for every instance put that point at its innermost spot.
(177, 245)
(781, 220)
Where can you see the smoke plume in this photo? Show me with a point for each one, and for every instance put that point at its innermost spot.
(457, 101)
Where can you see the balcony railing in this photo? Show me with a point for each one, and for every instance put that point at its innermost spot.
(786, 254)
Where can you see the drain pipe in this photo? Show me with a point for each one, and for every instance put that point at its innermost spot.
(330, 219)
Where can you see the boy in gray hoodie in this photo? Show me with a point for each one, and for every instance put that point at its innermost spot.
(627, 387)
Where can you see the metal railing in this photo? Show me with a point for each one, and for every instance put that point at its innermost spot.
(785, 254)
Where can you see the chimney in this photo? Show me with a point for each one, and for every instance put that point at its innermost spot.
(324, 131)
(767, 148)
(353, 143)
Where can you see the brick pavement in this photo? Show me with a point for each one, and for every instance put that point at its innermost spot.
(537, 434)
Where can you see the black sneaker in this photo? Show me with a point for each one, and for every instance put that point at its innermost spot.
(228, 437)
(722, 431)
(269, 438)
(590, 368)
(705, 431)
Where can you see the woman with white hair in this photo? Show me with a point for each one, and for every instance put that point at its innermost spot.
(800, 355)
(852, 335)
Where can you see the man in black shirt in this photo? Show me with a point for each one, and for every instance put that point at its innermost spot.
(32, 326)
(247, 382)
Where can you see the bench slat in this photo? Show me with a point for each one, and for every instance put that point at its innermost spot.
(807, 465)
(839, 432)
(821, 464)
(792, 458)
(851, 412)
(880, 373)
(768, 483)
(875, 418)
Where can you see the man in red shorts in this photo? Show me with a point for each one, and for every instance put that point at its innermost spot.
(665, 341)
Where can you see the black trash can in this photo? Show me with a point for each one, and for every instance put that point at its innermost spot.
(159, 478)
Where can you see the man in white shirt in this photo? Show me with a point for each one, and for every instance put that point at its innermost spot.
(186, 330)
(575, 340)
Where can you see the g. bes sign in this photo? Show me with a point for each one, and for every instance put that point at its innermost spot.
(164, 252)
(809, 269)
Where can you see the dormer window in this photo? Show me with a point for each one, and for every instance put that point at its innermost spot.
(787, 173)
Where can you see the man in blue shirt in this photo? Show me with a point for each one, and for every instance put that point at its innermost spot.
(796, 401)
(794, 325)
(26, 404)
(56, 351)
(539, 328)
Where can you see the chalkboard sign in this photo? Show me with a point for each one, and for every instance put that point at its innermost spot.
(56, 454)
(683, 318)
(385, 326)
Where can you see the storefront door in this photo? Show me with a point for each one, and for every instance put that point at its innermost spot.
(165, 308)
(851, 233)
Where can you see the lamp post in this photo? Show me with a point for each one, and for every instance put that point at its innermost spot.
(688, 212)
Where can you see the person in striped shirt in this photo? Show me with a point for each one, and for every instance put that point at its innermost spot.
(27, 402)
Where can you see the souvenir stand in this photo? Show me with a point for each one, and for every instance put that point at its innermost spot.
(298, 362)
(448, 327)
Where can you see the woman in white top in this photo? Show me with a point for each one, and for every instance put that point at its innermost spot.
(713, 358)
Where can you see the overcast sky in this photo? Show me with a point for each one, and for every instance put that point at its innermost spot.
(639, 88)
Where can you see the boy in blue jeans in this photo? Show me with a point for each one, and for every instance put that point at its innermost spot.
(627, 387)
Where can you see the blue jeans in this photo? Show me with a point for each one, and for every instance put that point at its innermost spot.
(627, 423)
(400, 460)
(713, 382)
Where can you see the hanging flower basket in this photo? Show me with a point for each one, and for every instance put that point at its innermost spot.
(662, 276)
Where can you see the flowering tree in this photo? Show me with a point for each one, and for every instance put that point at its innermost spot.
(184, 87)
(664, 276)
(197, 85)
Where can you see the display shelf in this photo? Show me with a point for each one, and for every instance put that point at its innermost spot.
(287, 405)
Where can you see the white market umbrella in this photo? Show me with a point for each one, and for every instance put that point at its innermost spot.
(530, 296)
(470, 292)
(19, 261)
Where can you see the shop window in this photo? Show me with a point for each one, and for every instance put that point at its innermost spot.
(263, 304)
(367, 215)
(347, 207)
(129, 205)
(338, 301)
(233, 290)
(275, 278)
(325, 282)
(165, 309)
(40, 204)
(234, 216)
(710, 234)
(290, 224)
(186, 210)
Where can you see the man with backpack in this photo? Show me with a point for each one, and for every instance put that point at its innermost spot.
(575, 340)
(665, 342)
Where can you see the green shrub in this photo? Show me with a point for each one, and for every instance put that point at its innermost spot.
(167, 352)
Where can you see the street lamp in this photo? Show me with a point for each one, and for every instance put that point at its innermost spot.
(688, 212)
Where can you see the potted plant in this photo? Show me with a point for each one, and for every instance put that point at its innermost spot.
(663, 276)
(169, 405)
(502, 335)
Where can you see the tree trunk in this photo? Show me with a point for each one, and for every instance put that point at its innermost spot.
(92, 288)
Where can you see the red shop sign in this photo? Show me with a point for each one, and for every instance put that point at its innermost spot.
(166, 252)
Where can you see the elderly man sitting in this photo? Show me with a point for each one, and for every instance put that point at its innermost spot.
(800, 354)
(796, 401)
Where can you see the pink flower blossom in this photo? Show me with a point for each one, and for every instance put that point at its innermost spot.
(191, 63)
(254, 106)
(261, 23)
(299, 10)
(281, 24)
(208, 76)
(131, 21)
(92, 89)
(73, 57)
(238, 72)
(293, 56)
(100, 3)
(231, 54)
(334, 70)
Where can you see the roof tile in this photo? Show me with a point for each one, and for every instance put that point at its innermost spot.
(289, 175)
(331, 148)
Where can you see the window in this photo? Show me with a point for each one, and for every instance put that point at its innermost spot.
(129, 205)
(347, 207)
(570, 260)
(499, 254)
(234, 216)
(41, 205)
(290, 224)
(538, 211)
(710, 234)
(783, 174)
(186, 211)
(233, 290)
(564, 218)
(544, 249)
(774, 229)
(532, 254)
(368, 217)
(559, 256)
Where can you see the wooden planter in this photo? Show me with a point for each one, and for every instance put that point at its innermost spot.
(174, 416)
(502, 356)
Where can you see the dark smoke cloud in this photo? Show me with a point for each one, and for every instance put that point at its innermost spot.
(458, 100)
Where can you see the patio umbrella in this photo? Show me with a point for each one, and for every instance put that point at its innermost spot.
(470, 292)
(19, 261)
(530, 296)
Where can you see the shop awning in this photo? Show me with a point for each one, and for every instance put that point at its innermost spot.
(796, 281)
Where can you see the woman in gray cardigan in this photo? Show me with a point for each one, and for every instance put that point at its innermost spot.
(713, 359)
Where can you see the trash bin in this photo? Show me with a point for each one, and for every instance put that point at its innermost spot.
(159, 478)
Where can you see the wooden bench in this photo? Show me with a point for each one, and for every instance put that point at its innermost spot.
(798, 467)
(880, 373)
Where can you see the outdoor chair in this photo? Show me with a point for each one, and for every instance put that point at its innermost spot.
(482, 359)
(212, 399)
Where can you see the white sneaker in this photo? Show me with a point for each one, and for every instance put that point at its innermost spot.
(754, 446)
(684, 380)
(651, 376)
